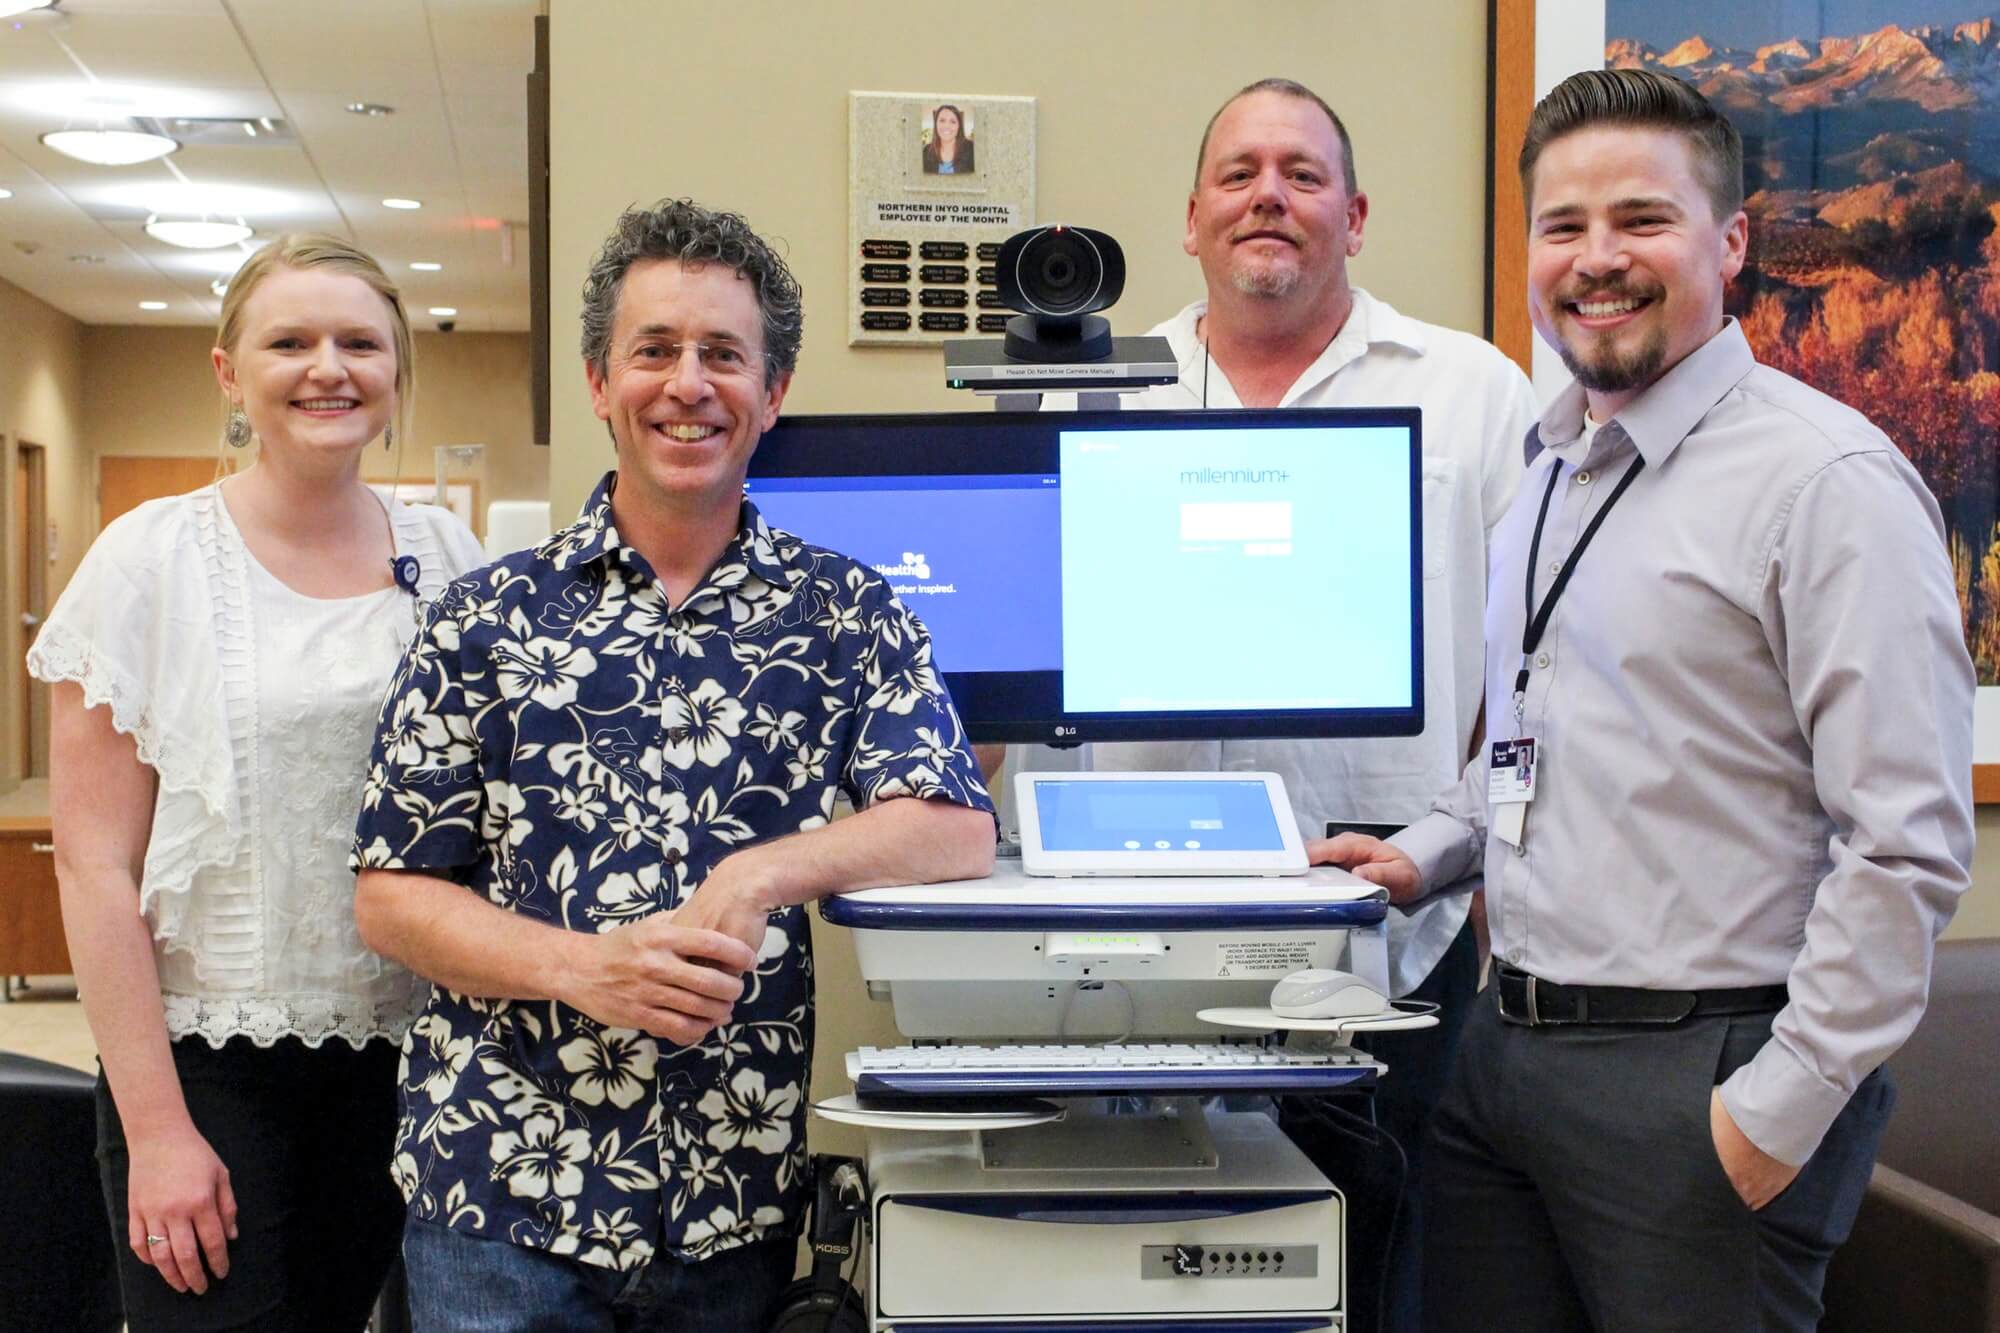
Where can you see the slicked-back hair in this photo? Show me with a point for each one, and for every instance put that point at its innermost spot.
(684, 231)
(1284, 88)
(1645, 99)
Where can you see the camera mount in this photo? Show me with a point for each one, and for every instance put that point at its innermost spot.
(1057, 276)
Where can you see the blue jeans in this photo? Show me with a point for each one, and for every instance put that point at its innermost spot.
(469, 1284)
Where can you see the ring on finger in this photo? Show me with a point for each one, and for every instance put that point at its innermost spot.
(151, 1239)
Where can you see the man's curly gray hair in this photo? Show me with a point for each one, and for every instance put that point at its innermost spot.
(682, 230)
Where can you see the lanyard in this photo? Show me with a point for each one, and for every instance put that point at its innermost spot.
(1537, 621)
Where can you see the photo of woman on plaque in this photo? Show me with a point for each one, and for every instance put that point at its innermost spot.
(948, 143)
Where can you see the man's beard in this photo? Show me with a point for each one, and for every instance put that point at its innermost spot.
(1275, 280)
(1612, 371)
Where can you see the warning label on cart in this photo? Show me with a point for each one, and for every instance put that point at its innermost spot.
(1264, 958)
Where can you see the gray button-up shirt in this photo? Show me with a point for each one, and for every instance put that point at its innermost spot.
(1754, 709)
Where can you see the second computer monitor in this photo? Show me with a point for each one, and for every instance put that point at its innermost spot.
(1134, 575)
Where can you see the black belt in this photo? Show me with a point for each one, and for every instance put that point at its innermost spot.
(1532, 1002)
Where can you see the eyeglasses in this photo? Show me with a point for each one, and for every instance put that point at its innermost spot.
(718, 360)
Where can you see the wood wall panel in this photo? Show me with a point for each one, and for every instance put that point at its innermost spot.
(1512, 89)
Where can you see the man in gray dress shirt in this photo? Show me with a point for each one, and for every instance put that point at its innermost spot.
(1714, 902)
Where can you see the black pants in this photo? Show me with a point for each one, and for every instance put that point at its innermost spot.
(1571, 1183)
(306, 1135)
(1380, 1177)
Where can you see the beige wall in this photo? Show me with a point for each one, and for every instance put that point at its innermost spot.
(754, 118)
(151, 391)
(41, 402)
(1979, 913)
(473, 389)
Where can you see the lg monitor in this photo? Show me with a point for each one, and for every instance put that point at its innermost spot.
(1096, 576)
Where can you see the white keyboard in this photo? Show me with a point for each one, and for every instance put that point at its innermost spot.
(1080, 1070)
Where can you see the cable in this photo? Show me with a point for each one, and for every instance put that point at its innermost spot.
(1131, 1010)
(1131, 1013)
(1367, 1132)
(854, 1259)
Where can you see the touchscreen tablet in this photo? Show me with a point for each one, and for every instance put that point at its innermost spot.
(1157, 824)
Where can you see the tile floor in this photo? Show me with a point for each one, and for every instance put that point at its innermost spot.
(46, 1021)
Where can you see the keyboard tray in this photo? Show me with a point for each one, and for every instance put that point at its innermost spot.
(1102, 1071)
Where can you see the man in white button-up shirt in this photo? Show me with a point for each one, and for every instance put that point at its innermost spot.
(1714, 906)
(1273, 217)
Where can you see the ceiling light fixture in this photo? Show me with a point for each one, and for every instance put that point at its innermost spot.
(6, 193)
(109, 148)
(370, 109)
(152, 305)
(427, 266)
(9, 8)
(444, 311)
(198, 233)
(220, 286)
(402, 203)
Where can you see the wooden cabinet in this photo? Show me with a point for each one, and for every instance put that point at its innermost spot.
(31, 929)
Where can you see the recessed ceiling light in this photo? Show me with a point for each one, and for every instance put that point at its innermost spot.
(109, 148)
(220, 286)
(198, 233)
(444, 311)
(6, 193)
(371, 109)
(9, 8)
(427, 266)
(152, 305)
(402, 203)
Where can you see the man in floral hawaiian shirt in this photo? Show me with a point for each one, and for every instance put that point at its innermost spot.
(602, 795)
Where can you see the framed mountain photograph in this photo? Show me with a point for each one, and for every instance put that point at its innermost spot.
(1871, 134)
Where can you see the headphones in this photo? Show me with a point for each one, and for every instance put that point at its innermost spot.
(826, 1302)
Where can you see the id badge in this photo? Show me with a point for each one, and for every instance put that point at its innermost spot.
(1510, 785)
(1510, 776)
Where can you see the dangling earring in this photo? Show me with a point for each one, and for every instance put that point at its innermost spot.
(236, 434)
(388, 438)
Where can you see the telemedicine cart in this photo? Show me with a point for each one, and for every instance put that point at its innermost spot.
(1072, 1139)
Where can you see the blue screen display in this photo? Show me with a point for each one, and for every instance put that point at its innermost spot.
(1094, 576)
(977, 558)
(1183, 815)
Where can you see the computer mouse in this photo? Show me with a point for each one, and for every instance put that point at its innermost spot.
(1322, 992)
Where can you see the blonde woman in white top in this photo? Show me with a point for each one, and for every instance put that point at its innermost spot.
(219, 660)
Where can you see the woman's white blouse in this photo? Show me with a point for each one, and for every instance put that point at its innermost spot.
(255, 706)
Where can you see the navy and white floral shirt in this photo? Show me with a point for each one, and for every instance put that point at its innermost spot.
(563, 741)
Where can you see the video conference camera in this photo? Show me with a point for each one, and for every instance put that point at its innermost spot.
(1055, 276)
